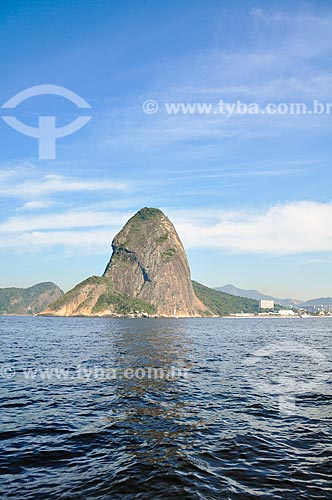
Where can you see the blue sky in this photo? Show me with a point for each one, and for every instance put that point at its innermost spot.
(250, 195)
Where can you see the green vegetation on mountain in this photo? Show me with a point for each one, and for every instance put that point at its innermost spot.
(162, 238)
(74, 292)
(28, 301)
(222, 304)
(147, 213)
(168, 254)
(121, 303)
(108, 299)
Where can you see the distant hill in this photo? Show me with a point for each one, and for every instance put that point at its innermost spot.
(323, 301)
(28, 301)
(255, 294)
(240, 292)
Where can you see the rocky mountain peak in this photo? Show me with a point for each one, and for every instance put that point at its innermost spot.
(148, 271)
(149, 263)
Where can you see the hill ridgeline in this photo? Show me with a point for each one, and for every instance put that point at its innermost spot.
(28, 301)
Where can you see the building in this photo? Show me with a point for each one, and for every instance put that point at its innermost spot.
(266, 304)
(286, 312)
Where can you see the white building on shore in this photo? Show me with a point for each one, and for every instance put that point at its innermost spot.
(286, 312)
(266, 304)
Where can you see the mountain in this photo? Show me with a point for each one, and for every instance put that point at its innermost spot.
(323, 301)
(27, 301)
(148, 274)
(255, 294)
(240, 292)
(149, 263)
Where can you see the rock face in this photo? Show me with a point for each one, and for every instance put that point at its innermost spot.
(28, 301)
(148, 274)
(149, 263)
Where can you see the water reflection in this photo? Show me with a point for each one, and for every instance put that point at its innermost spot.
(153, 408)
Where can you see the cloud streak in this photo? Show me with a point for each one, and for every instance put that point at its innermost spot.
(54, 184)
(67, 219)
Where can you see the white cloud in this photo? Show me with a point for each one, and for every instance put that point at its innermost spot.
(91, 241)
(51, 184)
(36, 205)
(96, 241)
(68, 219)
(283, 229)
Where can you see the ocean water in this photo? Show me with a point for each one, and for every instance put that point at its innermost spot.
(165, 409)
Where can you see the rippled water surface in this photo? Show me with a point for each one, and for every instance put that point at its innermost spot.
(248, 417)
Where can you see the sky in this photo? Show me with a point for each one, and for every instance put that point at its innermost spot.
(249, 194)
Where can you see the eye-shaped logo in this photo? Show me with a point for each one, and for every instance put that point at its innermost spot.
(288, 382)
(46, 133)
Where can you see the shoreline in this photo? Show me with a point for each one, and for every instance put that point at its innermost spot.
(162, 317)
